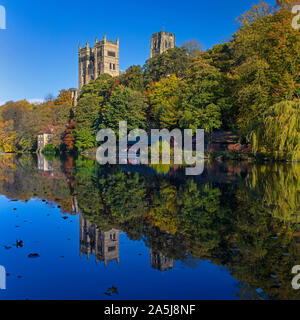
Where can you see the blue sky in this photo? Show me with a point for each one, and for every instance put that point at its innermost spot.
(38, 50)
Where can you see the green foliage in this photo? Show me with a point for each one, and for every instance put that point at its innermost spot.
(87, 113)
(49, 149)
(125, 104)
(101, 87)
(173, 61)
(84, 139)
(134, 78)
(247, 225)
(221, 57)
(164, 102)
(201, 97)
(267, 59)
(237, 85)
(278, 131)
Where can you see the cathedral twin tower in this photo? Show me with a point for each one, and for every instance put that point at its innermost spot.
(104, 56)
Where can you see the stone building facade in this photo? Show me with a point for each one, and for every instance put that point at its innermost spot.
(44, 138)
(94, 61)
(161, 42)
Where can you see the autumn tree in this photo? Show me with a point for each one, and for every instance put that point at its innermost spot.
(7, 137)
(64, 97)
(69, 137)
(164, 102)
(267, 59)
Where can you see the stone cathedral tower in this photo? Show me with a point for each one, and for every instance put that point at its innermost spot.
(94, 61)
(161, 42)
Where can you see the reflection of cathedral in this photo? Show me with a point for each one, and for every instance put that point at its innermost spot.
(160, 262)
(104, 245)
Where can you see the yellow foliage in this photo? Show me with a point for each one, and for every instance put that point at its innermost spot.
(7, 137)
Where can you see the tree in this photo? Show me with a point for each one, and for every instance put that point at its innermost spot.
(87, 112)
(125, 104)
(64, 97)
(267, 59)
(7, 136)
(69, 137)
(49, 149)
(278, 131)
(201, 96)
(221, 57)
(49, 97)
(102, 87)
(84, 139)
(134, 78)
(164, 102)
(173, 61)
(193, 47)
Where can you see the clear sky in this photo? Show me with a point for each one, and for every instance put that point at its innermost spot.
(38, 50)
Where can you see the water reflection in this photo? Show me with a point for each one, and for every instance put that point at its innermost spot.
(104, 245)
(244, 217)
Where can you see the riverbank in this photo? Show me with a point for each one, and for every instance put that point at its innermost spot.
(217, 156)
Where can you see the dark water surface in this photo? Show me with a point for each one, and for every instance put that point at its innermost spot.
(73, 229)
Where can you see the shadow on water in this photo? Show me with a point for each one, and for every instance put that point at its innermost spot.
(241, 216)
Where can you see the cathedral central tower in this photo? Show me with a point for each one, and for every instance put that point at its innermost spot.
(161, 42)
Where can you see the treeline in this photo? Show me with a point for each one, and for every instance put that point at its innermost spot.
(21, 122)
(249, 84)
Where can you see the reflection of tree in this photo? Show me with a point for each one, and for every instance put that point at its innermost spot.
(279, 186)
(109, 195)
(264, 247)
(7, 167)
(234, 225)
(246, 223)
(124, 193)
(24, 181)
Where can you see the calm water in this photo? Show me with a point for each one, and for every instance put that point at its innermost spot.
(75, 230)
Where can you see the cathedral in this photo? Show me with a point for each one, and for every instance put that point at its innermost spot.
(103, 57)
